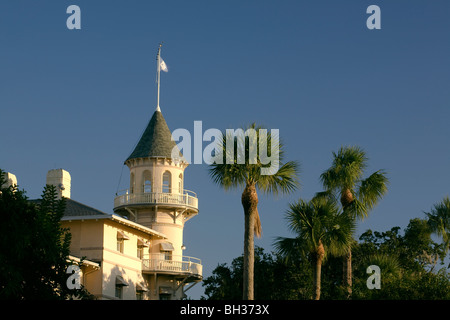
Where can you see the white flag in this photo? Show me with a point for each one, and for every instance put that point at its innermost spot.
(163, 65)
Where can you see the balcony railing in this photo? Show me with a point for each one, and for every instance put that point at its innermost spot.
(182, 265)
(187, 198)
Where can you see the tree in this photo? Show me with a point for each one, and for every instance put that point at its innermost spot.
(237, 170)
(407, 263)
(343, 180)
(406, 273)
(275, 278)
(34, 249)
(320, 229)
(439, 221)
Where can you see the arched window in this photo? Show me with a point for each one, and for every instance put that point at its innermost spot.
(167, 182)
(147, 179)
(180, 183)
(132, 182)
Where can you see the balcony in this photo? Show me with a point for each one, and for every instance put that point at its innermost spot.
(182, 265)
(186, 199)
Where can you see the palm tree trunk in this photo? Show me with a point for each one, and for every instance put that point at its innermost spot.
(347, 273)
(249, 202)
(346, 199)
(320, 253)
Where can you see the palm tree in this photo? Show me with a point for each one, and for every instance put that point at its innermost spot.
(247, 174)
(343, 181)
(321, 228)
(439, 221)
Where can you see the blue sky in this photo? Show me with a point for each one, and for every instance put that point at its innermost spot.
(80, 99)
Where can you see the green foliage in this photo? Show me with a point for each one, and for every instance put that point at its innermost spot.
(275, 279)
(346, 175)
(34, 249)
(317, 222)
(407, 271)
(238, 170)
(439, 221)
(407, 262)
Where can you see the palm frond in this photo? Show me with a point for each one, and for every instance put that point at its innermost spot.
(373, 188)
(347, 168)
(246, 167)
(439, 220)
(285, 180)
(316, 222)
(357, 210)
(388, 263)
(327, 194)
(289, 248)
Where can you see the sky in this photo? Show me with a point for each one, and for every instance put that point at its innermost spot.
(80, 99)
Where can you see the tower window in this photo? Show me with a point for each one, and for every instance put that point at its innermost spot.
(147, 187)
(180, 183)
(167, 182)
(132, 182)
(166, 255)
(147, 178)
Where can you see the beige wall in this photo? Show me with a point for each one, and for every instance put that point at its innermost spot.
(167, 223)
(140, 168)
(87, 238)
(97, 241)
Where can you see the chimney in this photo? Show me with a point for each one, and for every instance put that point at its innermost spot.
(11, 180)
(61, 180)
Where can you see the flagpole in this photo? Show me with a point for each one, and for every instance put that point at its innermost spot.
(158, 68)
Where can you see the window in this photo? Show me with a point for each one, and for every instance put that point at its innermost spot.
(141, 289)
(166, 249)
(119, 292)
(120, 283)
(140, 252)
(180, 183)
(147, 178)
(120, 240)
(132, 182)
(167, 182)
(120, 245)
(165, 293)
(141, 245)
(167, 255)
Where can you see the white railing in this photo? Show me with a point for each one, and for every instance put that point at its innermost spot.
(187, 198)
(185, 265)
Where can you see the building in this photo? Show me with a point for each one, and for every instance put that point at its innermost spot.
(156, 199)
(137, 252)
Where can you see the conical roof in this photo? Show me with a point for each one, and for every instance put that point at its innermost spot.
(156, 141)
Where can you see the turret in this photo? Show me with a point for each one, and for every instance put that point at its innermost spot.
(156, 198)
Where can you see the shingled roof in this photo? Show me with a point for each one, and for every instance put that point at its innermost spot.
(77, 209)
(156, 141)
